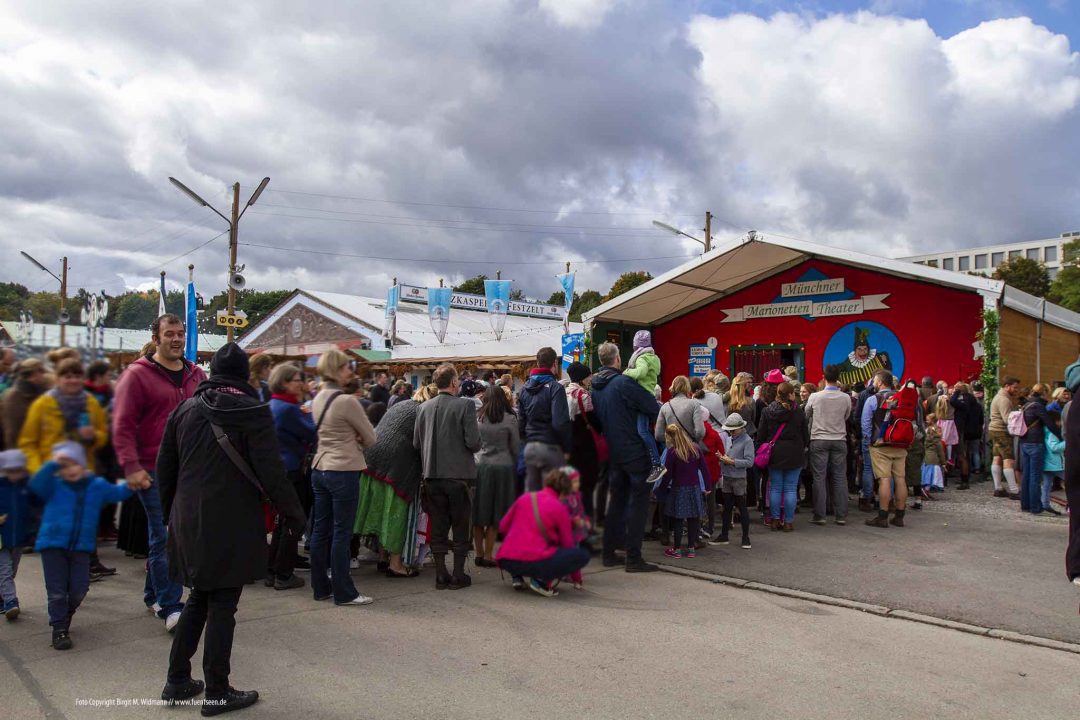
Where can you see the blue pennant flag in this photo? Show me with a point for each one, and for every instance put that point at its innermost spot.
(392, 297)
(191, 344)
(497, 294)
(567, 282)
(438, 304)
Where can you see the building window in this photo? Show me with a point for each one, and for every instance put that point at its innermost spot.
(932, 263)
(1052, 272)
(947, 264)
(1050, 253)
(980, 262)
(1013, 254)
(965, 263)
(996, 259)
(1033, 254)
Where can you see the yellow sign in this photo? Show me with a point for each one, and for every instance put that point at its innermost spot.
(237, 320)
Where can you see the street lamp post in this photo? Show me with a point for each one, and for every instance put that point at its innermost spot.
(62, 279)
(707, 244)
(233, 223)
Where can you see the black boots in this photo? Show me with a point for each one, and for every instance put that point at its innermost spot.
(898, 519)
(460, 579)
(442, 575)
(881, 520)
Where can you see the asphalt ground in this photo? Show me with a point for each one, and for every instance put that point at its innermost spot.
(628, 646)
(967, 557)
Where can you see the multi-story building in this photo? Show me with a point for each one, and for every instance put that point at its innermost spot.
(984, 260)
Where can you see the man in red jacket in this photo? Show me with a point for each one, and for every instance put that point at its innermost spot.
(147, 393)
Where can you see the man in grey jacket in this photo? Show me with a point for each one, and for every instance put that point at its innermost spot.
(447, 435)
(827, 412)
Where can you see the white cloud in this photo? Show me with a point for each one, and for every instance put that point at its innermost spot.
(577, 13)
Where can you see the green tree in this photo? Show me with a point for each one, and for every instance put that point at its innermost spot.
(626, 282)
(255, 303)
(1065, 290)
(1028, 275)
(472, 286)
(13, 300)
(583, 304)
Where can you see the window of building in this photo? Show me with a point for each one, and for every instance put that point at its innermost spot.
(1033, 254)
(1050, 253)
(965, 263)
(932, 263)
(947, 264)
(1052, 272)
(996, 259)
(1013, 254)
(980, 262)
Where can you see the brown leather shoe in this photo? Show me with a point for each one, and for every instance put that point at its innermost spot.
(1001, 493)
(878, 521)
(866, 505)
(788, 527)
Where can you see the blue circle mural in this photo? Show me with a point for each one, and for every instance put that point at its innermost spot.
(862, 348)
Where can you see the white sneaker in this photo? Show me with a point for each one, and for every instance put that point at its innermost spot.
(171, 621)
(153, 609)
(1076, 580)
(359, 600)
(354, 564)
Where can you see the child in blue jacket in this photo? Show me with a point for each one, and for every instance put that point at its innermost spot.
(1053, 459)
(15, 522)
(73, 501)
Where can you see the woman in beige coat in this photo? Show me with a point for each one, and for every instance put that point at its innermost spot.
(344, 431)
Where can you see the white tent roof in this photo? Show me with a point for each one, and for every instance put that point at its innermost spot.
(740, 263)
(116, 339)
(468, 333)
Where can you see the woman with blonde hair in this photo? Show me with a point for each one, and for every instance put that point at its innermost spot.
(343, 432)
(685, 486)
(261, 365)
(742, 400)
(683, 410)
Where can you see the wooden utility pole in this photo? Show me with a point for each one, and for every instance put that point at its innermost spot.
(232, 255)
(63, 303)
(708, 231)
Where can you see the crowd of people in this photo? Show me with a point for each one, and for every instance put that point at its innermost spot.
(259, 473)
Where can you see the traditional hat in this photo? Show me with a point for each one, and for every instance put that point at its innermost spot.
(862, 337)
(734, 421)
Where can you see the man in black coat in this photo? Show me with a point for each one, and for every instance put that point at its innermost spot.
(217, 536)
(1072, 473)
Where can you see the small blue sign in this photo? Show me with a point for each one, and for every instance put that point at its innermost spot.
(573, 349)
(702, 360)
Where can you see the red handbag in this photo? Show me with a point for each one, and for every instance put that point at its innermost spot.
(602, 452)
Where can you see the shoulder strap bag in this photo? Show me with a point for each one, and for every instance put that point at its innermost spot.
(309, 459)
(536, 516)
(764, 451)
(233, 454)
(602, 449)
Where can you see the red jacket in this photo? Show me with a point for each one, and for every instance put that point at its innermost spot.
(713, 444)
(144, 399)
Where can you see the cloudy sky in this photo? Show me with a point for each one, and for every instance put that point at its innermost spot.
(425, 140)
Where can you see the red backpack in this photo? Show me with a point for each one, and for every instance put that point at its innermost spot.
(894, 419)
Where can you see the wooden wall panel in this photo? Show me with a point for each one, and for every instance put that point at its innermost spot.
(1018, 337)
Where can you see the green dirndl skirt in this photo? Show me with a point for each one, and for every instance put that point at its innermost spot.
(380, 513)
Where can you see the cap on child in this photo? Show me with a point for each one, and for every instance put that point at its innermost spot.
(642, 339)
(69, 450)
(12, 460)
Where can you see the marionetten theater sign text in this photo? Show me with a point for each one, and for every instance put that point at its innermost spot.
(809, 308)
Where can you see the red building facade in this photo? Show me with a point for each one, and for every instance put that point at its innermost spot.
(810, 316)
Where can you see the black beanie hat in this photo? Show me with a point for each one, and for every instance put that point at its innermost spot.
(577, 372)
(230, 361)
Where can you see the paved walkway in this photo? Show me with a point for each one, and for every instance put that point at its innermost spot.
(629, 646)
(968, 557)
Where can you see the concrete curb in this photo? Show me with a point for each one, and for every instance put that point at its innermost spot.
(879, 610)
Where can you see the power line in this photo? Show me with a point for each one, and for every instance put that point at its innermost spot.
(444, 261)
(471, 207)
(450, 220)
(451, 227)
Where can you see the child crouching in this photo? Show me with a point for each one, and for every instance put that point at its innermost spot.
(14, 526)
(73, 500)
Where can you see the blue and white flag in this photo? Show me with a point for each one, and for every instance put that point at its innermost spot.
(191, 341)
(497, 294)
(567, 282)
(161, 297)
(438, 308)
(390, 314)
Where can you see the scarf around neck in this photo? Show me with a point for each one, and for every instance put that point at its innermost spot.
(71, 406)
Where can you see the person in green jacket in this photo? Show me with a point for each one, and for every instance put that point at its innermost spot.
(644, 368)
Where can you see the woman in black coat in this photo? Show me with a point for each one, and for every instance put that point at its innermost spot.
(784, 423)
(217, 536)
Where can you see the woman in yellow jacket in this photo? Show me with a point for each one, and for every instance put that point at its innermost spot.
(67, 412)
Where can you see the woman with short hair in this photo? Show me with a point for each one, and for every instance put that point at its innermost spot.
(682, 410)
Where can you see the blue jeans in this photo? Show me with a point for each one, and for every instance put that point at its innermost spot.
(67, 580)
(867, 474)
(785, 483)
(1047, 485)
(9, 568)
(333, 515)
(1031, 457)
(628, 506)
(564, 562)
(158, 587)
(647, 438)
